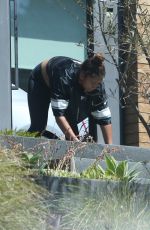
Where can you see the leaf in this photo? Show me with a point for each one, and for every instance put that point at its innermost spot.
(132, 174)
(27, 157)
(31, 158)
(100, 170)
(34, 159)
(121, 169)
(93, 172)
(109, 173)
(110, 162)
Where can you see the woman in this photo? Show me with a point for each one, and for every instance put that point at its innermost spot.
(75, 91)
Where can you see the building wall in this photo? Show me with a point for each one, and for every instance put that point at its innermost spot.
(144, 102)
(134, 131)
(144, 79)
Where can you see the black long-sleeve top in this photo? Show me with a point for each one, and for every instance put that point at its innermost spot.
(67, 96)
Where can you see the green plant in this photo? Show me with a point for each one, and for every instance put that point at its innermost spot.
(19, 132)
(114, 170)
(95, 171)
(59, 173)
(31, 159)
(119, 170)
(108, 211)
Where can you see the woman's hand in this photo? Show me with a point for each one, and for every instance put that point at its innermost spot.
(66, 128)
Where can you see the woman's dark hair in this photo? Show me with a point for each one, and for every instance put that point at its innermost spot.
(94, 65)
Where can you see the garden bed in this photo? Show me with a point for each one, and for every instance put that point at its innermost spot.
(80, 203)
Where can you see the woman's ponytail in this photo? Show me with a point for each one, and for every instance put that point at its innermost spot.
(94, 65)
(97, 59)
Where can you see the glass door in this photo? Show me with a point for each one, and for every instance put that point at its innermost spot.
(41, 29)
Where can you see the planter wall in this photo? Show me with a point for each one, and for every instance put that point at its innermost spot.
(56, 148)
(95, 188)
(85, 154)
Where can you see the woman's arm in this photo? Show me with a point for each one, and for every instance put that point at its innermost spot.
(66, 128)
(107, 133)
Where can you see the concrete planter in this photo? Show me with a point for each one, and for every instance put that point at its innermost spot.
(64, 186)
(85, 155)
(57, 148)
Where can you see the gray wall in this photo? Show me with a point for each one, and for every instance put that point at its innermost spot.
(5, 86)
(111, 72)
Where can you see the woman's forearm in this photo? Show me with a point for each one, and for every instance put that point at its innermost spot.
(66, 128)
(107, 133)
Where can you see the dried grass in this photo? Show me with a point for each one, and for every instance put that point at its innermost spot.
(22, 201)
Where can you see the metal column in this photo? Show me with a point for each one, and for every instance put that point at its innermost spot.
(5, 83)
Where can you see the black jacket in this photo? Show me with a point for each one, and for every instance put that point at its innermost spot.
(69, 99)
